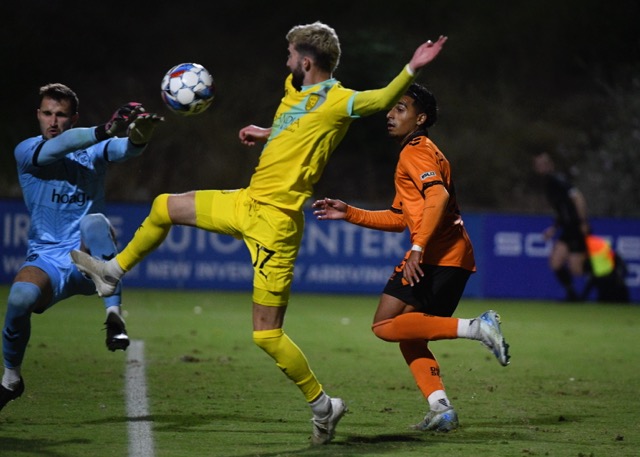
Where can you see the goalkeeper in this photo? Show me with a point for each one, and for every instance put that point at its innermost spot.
(62, 174)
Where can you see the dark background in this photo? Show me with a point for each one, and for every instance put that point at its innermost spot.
(514, 78)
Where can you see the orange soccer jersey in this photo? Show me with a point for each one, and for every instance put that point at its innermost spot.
(422, 165)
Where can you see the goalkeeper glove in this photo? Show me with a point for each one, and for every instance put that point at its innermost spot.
(120, 121)
(142, 128)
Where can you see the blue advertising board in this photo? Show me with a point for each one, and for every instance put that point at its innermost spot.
(337, 257)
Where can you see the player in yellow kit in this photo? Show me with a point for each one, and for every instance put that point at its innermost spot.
(312, 119)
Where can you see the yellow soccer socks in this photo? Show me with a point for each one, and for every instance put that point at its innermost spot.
(149, 236)
(290, 359)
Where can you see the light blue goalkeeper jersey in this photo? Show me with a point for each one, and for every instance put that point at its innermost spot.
(62, 180)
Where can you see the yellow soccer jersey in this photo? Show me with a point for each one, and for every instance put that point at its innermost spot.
(307, 127)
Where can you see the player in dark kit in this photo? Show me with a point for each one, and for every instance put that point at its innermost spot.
(569, 252)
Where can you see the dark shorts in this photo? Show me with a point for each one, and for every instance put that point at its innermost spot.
(438, 292)
(574, 239)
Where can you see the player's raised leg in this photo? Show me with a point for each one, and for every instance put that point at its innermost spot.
(396, 322)
(485, 328)
(166, 210)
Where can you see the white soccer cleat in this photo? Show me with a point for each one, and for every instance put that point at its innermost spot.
(96, 270)
(491, 336)
(324, 428)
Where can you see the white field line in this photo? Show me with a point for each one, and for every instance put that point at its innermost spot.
(139, 423)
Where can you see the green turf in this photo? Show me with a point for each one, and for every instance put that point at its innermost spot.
(571, 390)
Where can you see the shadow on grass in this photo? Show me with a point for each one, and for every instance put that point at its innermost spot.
(15, 447)
(344, 445)
(538, 421)
(185, 422)
(352, 445)
(377, 439)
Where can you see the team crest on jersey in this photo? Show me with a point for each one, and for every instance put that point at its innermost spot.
(427, 174)
(83, 158)
(312, 101)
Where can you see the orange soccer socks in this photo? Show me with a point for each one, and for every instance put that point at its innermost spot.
(426, 372)
(415, 326)
(413, 331)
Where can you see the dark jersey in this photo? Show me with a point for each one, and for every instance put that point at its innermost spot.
(558, 190)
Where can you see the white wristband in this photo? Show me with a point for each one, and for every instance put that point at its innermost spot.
(416, 247)
(410, 70)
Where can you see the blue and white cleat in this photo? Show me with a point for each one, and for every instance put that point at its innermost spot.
(438, 421)
(491, 336)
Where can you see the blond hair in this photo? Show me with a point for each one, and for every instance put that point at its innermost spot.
(319, 41)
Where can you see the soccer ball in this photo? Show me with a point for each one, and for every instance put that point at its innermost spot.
(187, 89)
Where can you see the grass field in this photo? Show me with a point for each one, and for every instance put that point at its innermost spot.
(571, 389)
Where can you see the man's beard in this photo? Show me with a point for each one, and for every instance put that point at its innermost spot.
(298, 77)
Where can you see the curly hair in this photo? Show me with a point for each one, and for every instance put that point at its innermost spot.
(59, 92)
(318, 41)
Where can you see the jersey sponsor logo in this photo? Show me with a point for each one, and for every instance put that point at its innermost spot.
(427, 174)
(286, 122)
(79, 199)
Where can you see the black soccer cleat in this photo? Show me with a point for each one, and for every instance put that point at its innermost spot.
(117, 338)
(7, 395)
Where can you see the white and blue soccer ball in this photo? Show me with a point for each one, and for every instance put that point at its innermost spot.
(188, 89)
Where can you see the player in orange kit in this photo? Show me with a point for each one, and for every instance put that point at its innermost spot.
(424, 290)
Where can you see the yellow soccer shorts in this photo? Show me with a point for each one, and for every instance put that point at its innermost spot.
(271, 234)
